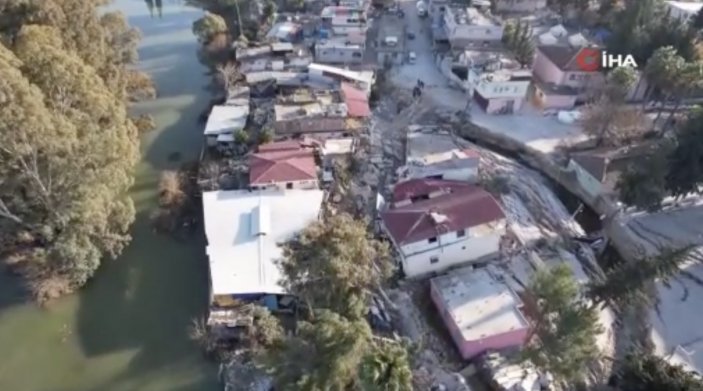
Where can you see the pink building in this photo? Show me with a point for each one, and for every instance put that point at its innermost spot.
(480, 312)
(559, 82)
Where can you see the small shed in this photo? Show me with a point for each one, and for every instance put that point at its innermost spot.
(578, 40)
(548, 39)
(558, 31)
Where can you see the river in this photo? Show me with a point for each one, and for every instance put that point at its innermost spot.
(127, 330)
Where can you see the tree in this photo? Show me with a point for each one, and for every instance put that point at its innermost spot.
(662, 69)
(518, 37)
(643, 184)
(608, 119)
(324, 355)
(646, 372)
(66, 160)
(386, 368)
(697, 21)
(335, 353)
(564, 336)
(208, 26)
(241, 137)
(626, 282)
(335, 265)
(685, 163)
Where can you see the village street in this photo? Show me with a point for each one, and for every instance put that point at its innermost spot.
(681, 299)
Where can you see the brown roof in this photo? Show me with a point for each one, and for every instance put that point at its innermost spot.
(421, 187)
(564, 57)
(311, 125)
(464, 207)
(282, 166)
(279, 146)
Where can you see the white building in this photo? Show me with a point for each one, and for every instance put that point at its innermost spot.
(362, 79)
(468, 27)
(436, 224)
(223, 122)
(434, 153)
(683, 10)
(499, 85)
(340, 50)
(244, 230)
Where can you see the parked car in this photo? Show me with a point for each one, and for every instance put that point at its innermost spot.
(412, 57)
(411, 36)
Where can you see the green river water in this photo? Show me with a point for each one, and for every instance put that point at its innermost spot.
(127, 330)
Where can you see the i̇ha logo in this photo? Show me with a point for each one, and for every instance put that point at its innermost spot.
(591, 60)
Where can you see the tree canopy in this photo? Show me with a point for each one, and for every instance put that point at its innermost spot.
(335, 265)
(208, 26)
(646, 372)
(564, 336)
(68, 146)
(335, 353)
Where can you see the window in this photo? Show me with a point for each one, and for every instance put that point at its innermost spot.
(356, 55)
(432, 240)
(434, 259)
(572, 77)
(289, 185)
(488, 31)
(460, 233)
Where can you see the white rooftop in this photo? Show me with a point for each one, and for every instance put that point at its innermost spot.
(243, 231)
(360, 76)
(479, 304)
(226, 119)
(338, 146)
(690, 7)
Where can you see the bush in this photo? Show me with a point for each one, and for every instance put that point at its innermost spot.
(497, 185)
(241, 137)
(144, 123)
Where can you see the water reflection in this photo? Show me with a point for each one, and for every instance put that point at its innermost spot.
(150, 5)
(159, 7)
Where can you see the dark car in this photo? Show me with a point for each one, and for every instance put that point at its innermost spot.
(411, 36)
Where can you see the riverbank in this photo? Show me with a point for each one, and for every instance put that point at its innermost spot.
(127, 330)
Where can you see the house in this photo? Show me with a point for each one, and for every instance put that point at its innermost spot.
(504, 372)
(390, 40)
(244, 230)
(320, 114)
(282, 165)
(598, 170)
(497, 83)
(559, 81)
(683, 11)
(223, 122)
(436, 224)
(347, 49)
(520, 6)
(436, 154)
(363, 79)
(467, 27)
(320, 128)
(341, 20)
(335, 150)
(356, 100)
(481, 311)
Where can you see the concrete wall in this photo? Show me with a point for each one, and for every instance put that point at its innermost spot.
(545, 70)
(466, 174)
(497, 106)
(450, 250)
(520, 5)
(303, 185)
(471, 349)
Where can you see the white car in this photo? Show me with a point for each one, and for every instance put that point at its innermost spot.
(412, 57)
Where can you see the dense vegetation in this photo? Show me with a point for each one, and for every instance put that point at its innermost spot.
(334, 267)
(68, 145)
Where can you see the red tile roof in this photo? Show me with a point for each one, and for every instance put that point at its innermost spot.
(282, 166)
(463, 207)
(356, 100)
